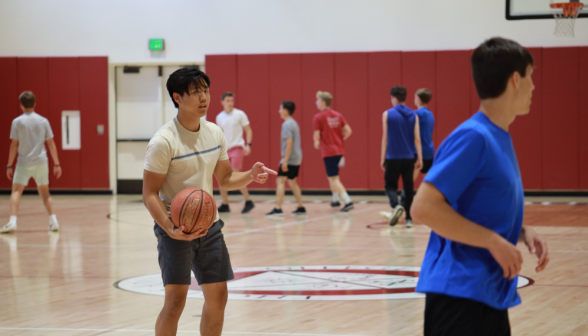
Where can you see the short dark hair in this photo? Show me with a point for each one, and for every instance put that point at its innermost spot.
(181, 80)
(27, 99)
(290, 106)
(494, 61)
(424, 95)
(399, 92)
(227, 94)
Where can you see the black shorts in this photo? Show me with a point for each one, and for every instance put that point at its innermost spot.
(292, 172)
(427, 164)
(332, 165)
(448, 316)
(206, 256)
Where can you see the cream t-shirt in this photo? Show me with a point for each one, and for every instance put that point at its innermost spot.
(232, 125)
(187, 158)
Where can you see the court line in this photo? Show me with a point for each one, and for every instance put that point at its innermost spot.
(179, 331)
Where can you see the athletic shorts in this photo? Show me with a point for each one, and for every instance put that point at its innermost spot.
(236, 155)
(332, 165)
(427, 164)
(292, 172)
(448, 315)
(40, 173)
(206, 256)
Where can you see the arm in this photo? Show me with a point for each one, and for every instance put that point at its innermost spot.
(230, 180)
(346, 132)
(418, 145)
(431, 209)
(536, 245)
(11, 155)
(316, 136)
(384, 140)
(289, 145)
(53, 151)
(248, 137)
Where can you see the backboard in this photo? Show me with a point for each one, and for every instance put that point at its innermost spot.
(535, 9)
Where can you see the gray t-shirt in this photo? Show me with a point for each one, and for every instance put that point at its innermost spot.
(291, 130)
(31, 131)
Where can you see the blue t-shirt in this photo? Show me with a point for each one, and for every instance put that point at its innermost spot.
(476, 169)
(426, 125)
(401, 120)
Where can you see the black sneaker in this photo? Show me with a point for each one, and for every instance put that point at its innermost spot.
(275, 212)
(299, 211)
(248, 206)
(335, 204)
(347, 207)
(224, 208)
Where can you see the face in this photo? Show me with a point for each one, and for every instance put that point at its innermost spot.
(195, 102)
(525, 92)
(417, 100)
(320, 104)
(283, 112)
(228, 103)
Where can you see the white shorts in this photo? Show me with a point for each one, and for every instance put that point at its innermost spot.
(40, 173)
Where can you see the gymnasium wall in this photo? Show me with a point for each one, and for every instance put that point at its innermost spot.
(61, 83)
(551, 142)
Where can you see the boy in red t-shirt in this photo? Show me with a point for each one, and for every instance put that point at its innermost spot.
(330, 132)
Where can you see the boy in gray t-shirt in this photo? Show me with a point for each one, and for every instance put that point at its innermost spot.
(291, 160)
(29, 132)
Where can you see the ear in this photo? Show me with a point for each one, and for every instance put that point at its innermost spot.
(177, 98)
(516, 80)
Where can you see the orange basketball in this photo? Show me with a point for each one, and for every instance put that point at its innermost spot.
(193, 208)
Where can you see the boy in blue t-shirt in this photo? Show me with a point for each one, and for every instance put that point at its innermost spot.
(473, 201)
(426, 124)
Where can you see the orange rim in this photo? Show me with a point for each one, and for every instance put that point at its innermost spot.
(569, 8)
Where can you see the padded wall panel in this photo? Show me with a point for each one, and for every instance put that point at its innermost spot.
(560, 118)
(93, 76)
(222, 71)
(253, 99)
(351, 93)
(384, 69)
(64, 94)
(285, 77)
(583, 114)
(318, 74)
(526, 131)
(9, 108)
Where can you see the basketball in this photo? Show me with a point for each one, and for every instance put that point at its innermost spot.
(193, 208)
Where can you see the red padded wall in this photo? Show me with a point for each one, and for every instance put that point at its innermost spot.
(526, 131)
(222, 70)
(285, 80)
(93, 79)
(351, 94)
(384, 70)
(253, 99)
(583, 114)
(318, 74)
(9, 109)
(560, 118)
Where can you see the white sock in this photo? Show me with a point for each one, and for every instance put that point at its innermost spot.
(52, 219)
(12, 220)
(345, 198)
(335, 197)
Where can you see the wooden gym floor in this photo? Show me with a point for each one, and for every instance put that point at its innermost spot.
(64, 283)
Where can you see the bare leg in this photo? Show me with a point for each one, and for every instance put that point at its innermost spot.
(175, 300)
(336, 185)
(245, 193)
(213, 312)
(415, 174)
(47, 199)
(224, 196)
(17, 190)
(280, 191)
(296, 191)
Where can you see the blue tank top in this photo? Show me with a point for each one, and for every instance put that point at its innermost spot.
(426, 125)
(401, 120)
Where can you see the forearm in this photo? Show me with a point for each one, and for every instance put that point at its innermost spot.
(288, 152)
(236, 180)
(383, 152)
(53, 151)
(249, 135)
(12, 154)
(157, 210)
(419, 149)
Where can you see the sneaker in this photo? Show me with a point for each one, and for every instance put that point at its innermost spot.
(409, 224)
(386, 214)
(54, 227)
(224, 208)
(299, 211)
(248, 206)
(396, 214)
(10, 227)
(347, 207)
(335, 204)
(275, 212)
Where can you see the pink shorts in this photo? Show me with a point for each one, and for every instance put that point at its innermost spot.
(236, 155)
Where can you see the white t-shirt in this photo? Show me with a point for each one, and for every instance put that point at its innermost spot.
(31, 131)
(232, 125)
(187, 158)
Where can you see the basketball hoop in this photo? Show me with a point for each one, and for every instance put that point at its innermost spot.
(565, 14)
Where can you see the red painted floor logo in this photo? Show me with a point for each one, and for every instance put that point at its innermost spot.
(314, 283)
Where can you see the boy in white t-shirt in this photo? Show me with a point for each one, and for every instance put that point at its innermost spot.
(185, 153)
(233, 122)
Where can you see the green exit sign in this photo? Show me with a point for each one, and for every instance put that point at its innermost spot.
(156, 44)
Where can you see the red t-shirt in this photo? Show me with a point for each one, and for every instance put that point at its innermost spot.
(330, 123)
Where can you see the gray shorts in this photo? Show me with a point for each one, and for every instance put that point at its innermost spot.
(206, 256)
(40, 173)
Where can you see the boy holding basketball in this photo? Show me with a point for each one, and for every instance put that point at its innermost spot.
(184, 153)
(472, 199)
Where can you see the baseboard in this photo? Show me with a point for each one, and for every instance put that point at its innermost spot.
(62, 191)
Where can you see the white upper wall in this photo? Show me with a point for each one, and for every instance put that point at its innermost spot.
(120, 29)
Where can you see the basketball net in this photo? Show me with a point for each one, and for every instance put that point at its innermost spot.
(565, 14)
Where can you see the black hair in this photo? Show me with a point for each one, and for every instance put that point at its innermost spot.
(399, 92)
(227, 94)
(27, 99)
(181, 80)
(494, 61)
(290, 106)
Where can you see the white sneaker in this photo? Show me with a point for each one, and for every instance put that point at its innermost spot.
(409, 224)
(10, 227)
(54, 227)
(386, 214)
(396, 214)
